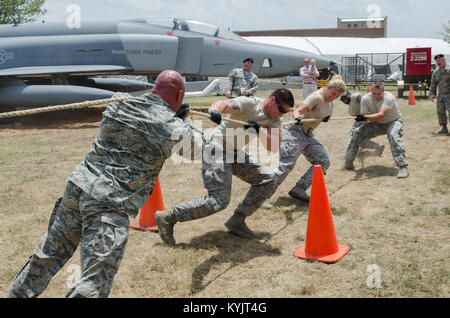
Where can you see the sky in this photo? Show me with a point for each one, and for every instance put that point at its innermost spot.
(406, 18)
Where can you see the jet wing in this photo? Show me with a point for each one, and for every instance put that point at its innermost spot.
(63, 69)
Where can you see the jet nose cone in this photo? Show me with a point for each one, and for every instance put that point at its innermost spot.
(321, 61)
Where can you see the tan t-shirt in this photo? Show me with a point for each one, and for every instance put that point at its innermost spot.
(318, 109)
(251, 108)
(370, 106)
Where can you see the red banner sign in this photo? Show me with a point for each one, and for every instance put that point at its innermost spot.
(418, 61)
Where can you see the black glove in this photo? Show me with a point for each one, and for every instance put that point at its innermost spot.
(183, 111)
(325, 119)
(215, 116)
(346, 97)
(252, 124)
(361, 118)
(299, 121)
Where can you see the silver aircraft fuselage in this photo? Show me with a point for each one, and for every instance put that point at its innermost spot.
(51, 63)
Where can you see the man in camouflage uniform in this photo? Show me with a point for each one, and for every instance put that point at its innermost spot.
(241, 81)
(111, 184)
(223, 157)
(441, 79)
(380, 115)
(354, 109)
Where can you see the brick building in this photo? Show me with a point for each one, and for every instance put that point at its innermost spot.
(355, 27)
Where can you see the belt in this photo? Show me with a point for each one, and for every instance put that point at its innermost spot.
(307, 132)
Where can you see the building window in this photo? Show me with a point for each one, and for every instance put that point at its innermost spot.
(355, 25)
(349, 25)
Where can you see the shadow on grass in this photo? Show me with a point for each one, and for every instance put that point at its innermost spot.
(376, 172)
(231, 249)
(290, 206)
(63, 119)
(435, 134)
(287, 201)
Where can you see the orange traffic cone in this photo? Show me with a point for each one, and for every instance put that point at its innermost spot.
(412, 98)
(368, 89)
(154, 203)
(321, 243)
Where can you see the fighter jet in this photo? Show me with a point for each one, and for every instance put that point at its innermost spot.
(53, 64)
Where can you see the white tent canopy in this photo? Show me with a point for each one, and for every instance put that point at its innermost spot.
(333, 47)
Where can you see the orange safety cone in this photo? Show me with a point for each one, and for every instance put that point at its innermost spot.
(155, 202)
(368, 89)
(321, 243)
(411, 98)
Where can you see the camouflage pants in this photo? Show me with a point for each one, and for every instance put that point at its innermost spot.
(366, 143)
(443, 107)
(103, 233)
(294, 143)
(217, 172)
(394, 131)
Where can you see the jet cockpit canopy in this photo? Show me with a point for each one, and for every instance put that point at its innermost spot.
(194, 26)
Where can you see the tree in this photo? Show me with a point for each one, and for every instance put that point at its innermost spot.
(20, 11)
(446, 32)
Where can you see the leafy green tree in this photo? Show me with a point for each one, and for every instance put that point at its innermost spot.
(21, 11)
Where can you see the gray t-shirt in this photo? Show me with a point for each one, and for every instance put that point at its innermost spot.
(354, 108)
(251, 108)
(370, 106)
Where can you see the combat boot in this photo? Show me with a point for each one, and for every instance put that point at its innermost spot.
(165, 221)
(403, 173)
(236, 224)
(444, 130)
(299, 193)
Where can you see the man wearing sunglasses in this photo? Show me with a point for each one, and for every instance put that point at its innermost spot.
(225, 155)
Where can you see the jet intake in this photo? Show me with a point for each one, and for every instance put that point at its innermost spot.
(114, 84)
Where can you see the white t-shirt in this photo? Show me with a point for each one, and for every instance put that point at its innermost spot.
(370, 106)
